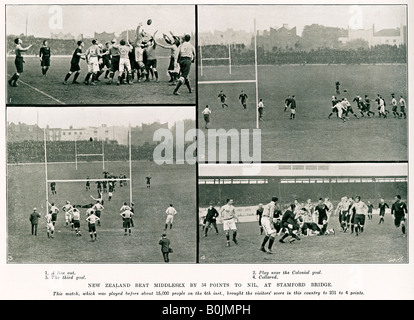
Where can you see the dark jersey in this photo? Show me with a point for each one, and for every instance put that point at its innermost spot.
(76, 57)
(243, 97)
(382, 207)
(292, 103)
(212, 214)
(399, 208)
(259, 212)
(148, 180)
(322, 210)
(44, 52)
(288, 217)
(222, 97)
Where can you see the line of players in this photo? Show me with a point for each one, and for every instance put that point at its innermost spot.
(342, 107)
(304, 219)
(93, 217)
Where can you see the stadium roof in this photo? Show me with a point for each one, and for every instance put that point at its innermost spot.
(305, 170)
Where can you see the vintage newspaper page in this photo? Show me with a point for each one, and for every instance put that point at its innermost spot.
(206, 152)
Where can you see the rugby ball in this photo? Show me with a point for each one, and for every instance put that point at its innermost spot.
(149, 21)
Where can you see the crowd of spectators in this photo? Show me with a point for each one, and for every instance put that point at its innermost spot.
(253, 194)
(245, 56)
(31, 151)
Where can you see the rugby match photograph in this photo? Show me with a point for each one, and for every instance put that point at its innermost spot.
(83, 187)
(321, 82)
(354, 213)
(100, 55)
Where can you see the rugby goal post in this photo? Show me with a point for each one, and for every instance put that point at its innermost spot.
(255, 80)
(84, 155)
(47, 180)
(228, 58)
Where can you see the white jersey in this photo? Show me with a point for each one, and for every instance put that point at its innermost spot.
(171, 211)
(76, 214)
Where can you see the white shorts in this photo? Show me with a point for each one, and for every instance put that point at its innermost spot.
(169, 219)
(68, 216)
(50, 227)
(229, 224)
(93, 64)
(267, 227)
(124, 64)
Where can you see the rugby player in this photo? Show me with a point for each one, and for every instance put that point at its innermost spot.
(173, 46)
(222, 96)
(394, 106)
(171, 212)
(361, 210)
(74, 64)
(92, 219)
(267, 225)
(44, 55)
(115, 56)
(382, 206)
(50, 227)
(126, 220)
(206, 114)
(322, 210)
(403, 106)
(259, 214)
(67, 209)
(98, 207)
(211, 218)
(18, 61)
(228, 214)
(243, 99)
(76, 221)
(399, 213)
(92, 59)
(186, 56)
(290, 225)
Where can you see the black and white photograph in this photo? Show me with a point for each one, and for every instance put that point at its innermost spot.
(204, 158)
(320, 82)
(354, 213)
(100, 54)
(83, 186)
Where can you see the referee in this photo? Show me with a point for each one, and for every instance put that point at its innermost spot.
(186, 55)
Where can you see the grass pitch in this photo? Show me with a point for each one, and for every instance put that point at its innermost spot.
(170, 184)
(311, 136)
(34, 89)
(377, 244)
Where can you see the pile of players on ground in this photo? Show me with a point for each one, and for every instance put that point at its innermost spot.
(343, 108)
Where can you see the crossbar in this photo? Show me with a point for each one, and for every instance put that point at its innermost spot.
(226, 81)
(86, 180)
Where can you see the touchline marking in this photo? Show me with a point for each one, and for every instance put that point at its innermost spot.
(40, 91)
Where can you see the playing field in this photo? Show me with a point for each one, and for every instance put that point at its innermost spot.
(35, 89)
(377, 244)
(170, 184)
(311, 136)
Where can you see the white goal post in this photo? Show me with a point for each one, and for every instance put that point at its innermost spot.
(228, 58)
(47, 180)
(77, 155)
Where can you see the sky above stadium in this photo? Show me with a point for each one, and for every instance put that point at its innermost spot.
(80, 117)
(242, 17)
(42, 20)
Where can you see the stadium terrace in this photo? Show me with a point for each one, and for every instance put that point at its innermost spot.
(245, 146)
